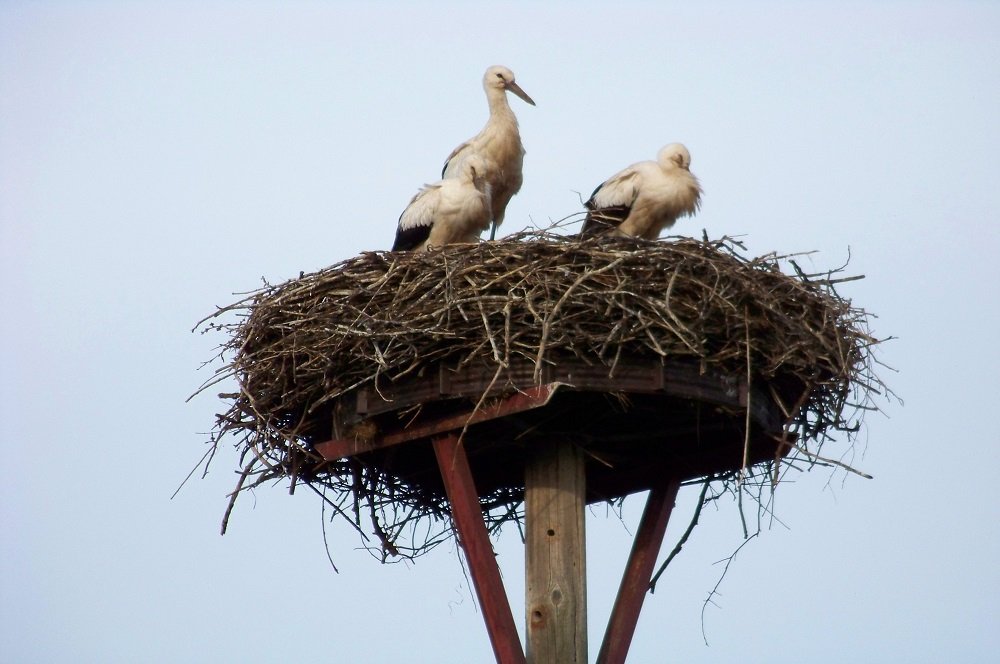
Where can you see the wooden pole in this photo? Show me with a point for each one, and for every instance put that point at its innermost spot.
(635, 581)
(475, 542)
(555, 555)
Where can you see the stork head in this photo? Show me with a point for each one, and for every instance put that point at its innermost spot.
(674, 155)
(500, 78)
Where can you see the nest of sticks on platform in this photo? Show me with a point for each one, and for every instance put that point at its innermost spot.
(294, 348)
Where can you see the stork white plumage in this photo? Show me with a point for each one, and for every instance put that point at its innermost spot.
(645, 198)
(499, 143)
(454, 210)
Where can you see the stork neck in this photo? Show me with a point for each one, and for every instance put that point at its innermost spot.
(499, 108)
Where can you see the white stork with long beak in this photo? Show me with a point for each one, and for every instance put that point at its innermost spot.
(450, 211)
(645, 198)
(499, 143)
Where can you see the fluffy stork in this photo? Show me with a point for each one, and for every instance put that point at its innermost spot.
(449, 211)
(499, 143)
(645, 198)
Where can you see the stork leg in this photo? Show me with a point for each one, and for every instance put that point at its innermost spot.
(493, 230)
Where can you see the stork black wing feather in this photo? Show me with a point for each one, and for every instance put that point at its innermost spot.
(603, 220)
(409, 238)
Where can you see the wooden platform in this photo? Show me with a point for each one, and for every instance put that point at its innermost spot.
(644, 421)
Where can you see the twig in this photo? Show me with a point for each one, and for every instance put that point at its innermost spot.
(204, 456)
(715, 589)
(684, 538)
(825, 460)
(235, 493)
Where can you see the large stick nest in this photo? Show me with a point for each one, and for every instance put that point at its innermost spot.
(297, 347)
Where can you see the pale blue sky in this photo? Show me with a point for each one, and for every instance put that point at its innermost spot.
(154, 160)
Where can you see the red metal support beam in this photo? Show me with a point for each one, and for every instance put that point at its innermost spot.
(475, 542)
(638, 571)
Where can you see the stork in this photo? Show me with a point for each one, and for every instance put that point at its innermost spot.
(499, 143)
(452, 210)
(645, 198)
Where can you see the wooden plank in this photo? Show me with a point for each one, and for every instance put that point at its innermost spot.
(555, 555)
(678, 379)
(475, 542)
(534, 397)
(638, 571)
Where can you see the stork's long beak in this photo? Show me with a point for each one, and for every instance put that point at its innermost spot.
(516, 89)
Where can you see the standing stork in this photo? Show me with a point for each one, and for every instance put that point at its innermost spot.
(499, 143)
(450, 211)
(645, 198)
